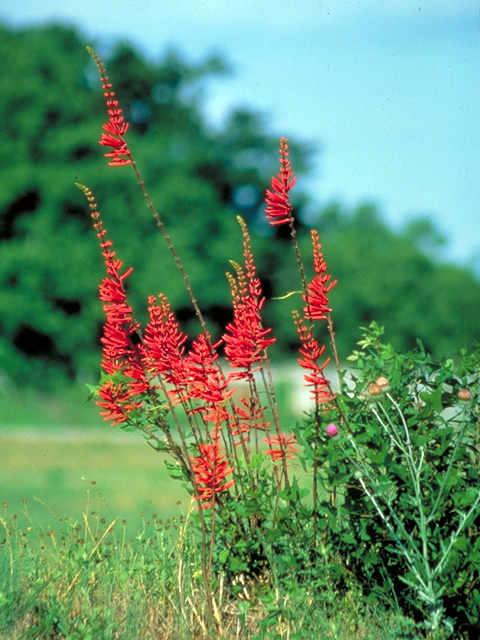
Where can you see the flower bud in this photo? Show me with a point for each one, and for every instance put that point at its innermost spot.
(464, 395)
(332, 430)
(375, 390)
(383, 383)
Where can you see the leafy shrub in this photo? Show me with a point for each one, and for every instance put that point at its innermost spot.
(402, 480)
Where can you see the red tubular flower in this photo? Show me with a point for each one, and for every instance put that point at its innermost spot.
(316, 298)
(279, 209)
(251, 416)
(116, 126)
(245, 338)
(206, 383)
(163, 343)
(195, 376)
(311, 351)
(210, 470)
(115, 402)
(283, 447)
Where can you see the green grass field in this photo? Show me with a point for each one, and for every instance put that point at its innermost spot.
(52, 448)
(53, 470)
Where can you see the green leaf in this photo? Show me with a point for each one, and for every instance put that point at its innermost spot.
(461, 543)
(347, 538)
(223, 555)
(433, 402)
(176, 471)
(273, 535)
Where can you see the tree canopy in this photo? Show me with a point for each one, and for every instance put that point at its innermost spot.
(200, 178)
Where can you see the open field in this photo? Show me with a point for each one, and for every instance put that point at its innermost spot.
(56, 467)
(52, 448)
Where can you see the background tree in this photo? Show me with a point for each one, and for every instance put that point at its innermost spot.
(389, 276)
(200, 178)
(52, 107)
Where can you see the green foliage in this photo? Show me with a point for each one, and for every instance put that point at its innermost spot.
(397, 513)
(403, 480)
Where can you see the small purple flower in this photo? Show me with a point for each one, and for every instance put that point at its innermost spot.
(332, 430)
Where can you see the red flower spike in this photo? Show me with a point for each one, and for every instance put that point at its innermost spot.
(252, 416)
(279, 209)
(120, 354)
(163, 344)
(245, 339)
(316, 298)
(116, 126)
(283, 447)
(195, 376)
(311, 351)
(115, 402)
(210, 470)
(207, 384)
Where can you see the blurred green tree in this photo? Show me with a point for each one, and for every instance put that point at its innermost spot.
(396, 279)
(199, 177)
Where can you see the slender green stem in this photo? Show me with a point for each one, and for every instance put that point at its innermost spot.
(449, 468)
(386, 519)
(270, 389)
(315, 475)
(296, 247)
(333, 342)
(171, 248)
(454, 537)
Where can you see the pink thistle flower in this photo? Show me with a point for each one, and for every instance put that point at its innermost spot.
(332, 430)
(116, 126)
(282, 447)
(279, 209)
(210, 470)
(464, 396)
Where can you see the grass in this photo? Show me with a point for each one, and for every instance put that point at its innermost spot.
(115, 560)
(28, 408)
(46, 468)
(89, 582)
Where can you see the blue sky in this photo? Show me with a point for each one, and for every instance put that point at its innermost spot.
(389, 90)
